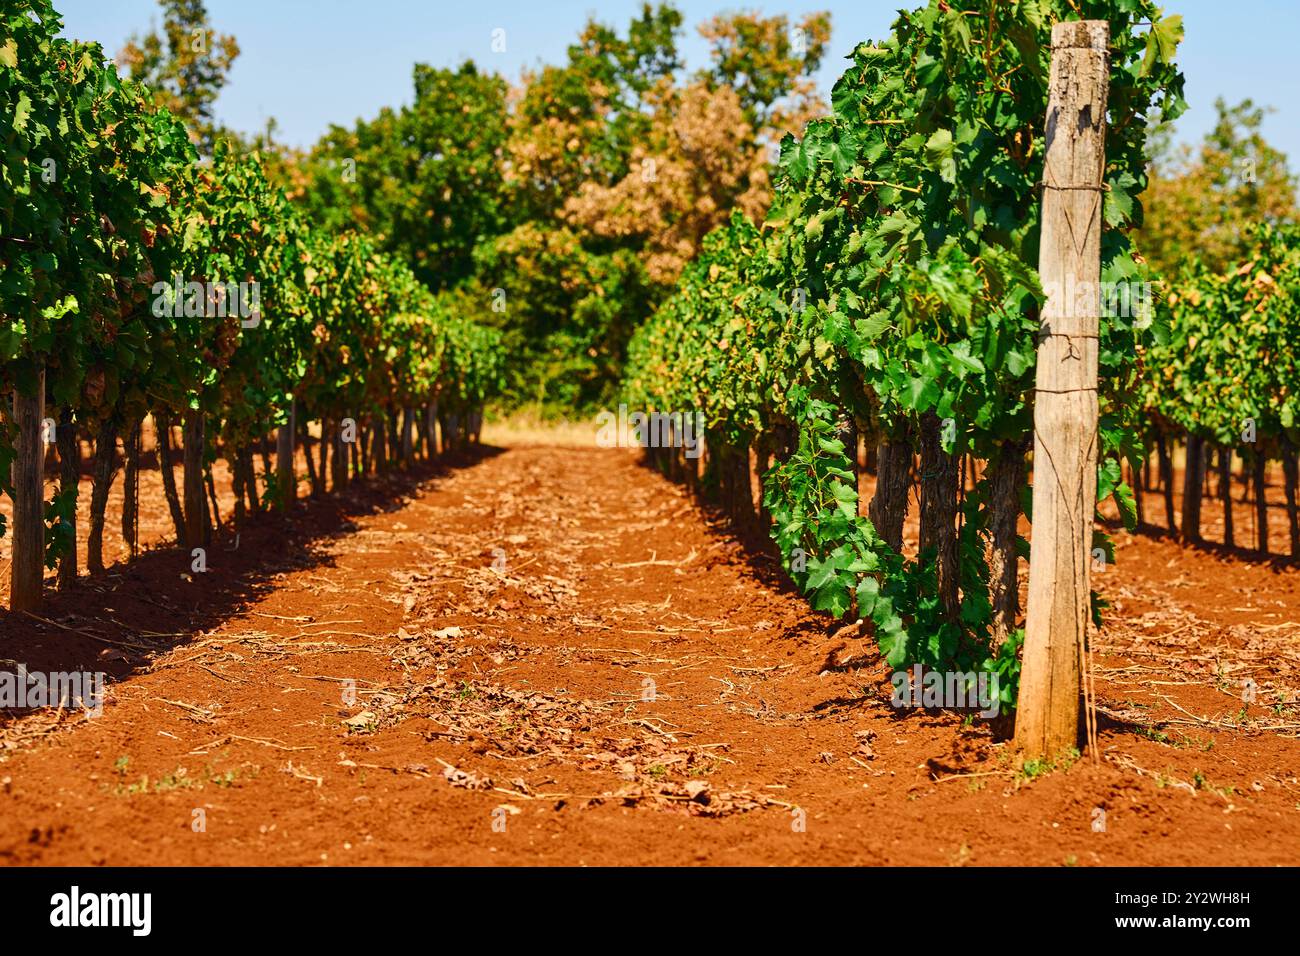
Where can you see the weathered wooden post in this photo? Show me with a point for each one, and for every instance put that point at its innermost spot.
(196, 524)
(27, 474)
(69, 479)
(286, 478)
(408, 435)
(1065, 405)
(431, 427)
(1193, 484)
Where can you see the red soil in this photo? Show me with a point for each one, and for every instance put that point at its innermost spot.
(500, 623)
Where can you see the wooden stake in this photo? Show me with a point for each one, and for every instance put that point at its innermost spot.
(408, 436)
(1193, 486)
(196, 526)
(1259, 475)
(1225, 492)
(27, 474)
(69, 480)
(285, 478)
(1065, 410)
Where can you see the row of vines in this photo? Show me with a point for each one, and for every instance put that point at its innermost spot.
(137, 281)
(891, 302)
(1221, 381)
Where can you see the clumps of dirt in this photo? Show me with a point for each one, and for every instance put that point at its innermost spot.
(493, 719)
(455, 649)
(693, 797)
(465, 779)
(16, 733)
(561, 629)
(503, 719)
(662, 776)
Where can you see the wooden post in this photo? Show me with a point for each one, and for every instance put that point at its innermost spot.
(1193, 485)
(408, 435)
(430, 424)
(1065, 408)
(285, 477)
(27, 474)
(69, 480)
(196, 524)
(1259, 475)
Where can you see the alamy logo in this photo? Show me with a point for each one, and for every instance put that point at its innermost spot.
(103, 909)
(209, 299)
(22, 689)
(947, 690)
(651, 430)
(1123, 300)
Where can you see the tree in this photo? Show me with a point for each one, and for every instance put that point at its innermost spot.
(769, 62)
(1204, 204)
(425, 181)
(707, 147)
(699, 161)
(614, 164)
(185, 66)
(566, 313)
(581, 122)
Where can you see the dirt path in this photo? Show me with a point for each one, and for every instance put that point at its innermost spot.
(550, 655)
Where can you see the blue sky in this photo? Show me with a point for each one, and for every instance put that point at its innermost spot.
(310, 63)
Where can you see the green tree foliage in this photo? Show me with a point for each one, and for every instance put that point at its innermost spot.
(615, 161)
(769, 62)
(186, 66)
(425, 180)
(567, 312)
(1205, 204)
(580, 122)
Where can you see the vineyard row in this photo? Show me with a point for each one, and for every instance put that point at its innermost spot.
(137, 281)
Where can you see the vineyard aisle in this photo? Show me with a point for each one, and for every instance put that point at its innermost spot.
(550, 655)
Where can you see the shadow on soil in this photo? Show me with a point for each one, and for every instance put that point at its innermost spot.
(743, 540)
(117, 622)
(1247, 555)
(751, 544)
